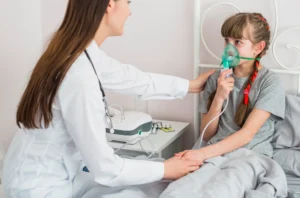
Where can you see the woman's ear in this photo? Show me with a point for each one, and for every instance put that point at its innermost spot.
(259, 47)
(111, 6)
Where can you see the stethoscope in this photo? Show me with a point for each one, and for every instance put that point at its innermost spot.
(107, 113)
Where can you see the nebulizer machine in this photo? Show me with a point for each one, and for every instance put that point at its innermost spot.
(230, 59)
(129, 126)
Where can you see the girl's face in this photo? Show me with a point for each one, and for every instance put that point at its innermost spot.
(245, 46)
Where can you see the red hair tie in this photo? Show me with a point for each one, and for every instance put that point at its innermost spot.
(263, 20)
(247, 89)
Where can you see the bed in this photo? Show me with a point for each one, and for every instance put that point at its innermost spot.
(283, 55)
(1, 162)
(286, 143)
(294, 186)
(1, 192)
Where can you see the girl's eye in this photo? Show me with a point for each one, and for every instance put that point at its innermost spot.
(129, 2)
(237, 42)
(226, 41)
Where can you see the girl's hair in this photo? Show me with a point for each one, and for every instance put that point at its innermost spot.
(259, 30)
(80, 24)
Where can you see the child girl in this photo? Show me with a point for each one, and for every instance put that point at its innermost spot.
(241, 135)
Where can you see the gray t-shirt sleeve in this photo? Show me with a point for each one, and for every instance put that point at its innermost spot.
(272, 98)
(210, 87)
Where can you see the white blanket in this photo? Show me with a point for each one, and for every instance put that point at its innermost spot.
(238, 174)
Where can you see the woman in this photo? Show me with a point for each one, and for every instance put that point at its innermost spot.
(62, 114)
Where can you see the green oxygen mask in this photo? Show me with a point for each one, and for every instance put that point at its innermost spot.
(231, 57)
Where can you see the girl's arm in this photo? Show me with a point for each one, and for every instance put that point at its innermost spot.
(242, 137)
(225, 86)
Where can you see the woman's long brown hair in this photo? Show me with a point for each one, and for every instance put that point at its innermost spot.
(80, 24)
(234, 27)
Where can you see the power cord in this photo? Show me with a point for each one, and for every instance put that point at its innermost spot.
(140, 142)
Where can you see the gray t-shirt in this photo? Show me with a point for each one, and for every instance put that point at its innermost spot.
(266, 94)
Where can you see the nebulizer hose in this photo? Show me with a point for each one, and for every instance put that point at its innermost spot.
(212, 120)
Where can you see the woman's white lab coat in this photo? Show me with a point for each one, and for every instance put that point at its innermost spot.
(44, 162)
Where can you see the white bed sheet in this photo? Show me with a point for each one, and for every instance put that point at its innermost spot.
(1, 192)
(293, 186)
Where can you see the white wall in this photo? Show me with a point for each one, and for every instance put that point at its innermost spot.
(20, 45)
(52, 13)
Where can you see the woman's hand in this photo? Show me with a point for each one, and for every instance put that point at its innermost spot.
(225, 85)
(176, 168)
(198, 84)
(196, 156)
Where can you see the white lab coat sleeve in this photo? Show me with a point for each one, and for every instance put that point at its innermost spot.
(83, 112)
(128, 79)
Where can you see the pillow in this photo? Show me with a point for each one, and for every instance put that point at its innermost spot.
(289, 160)
(287, 131)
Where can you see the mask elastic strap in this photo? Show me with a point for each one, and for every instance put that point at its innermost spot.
(245, 58)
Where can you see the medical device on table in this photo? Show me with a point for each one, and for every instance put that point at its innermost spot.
(230, 59)
(129, 126)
